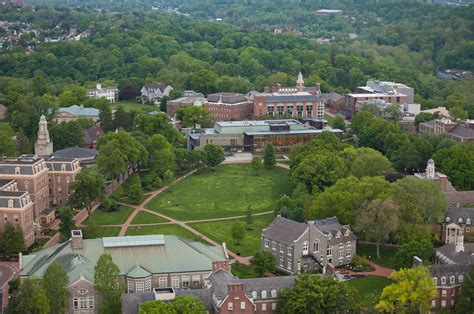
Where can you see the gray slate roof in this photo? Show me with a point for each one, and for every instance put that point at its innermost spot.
(331, 96)
(464, 257)
(76, 152)
(448, 270)
(92, 134)
(285, 230)
(462, 132)
(455, 213)
(287, 98)
(461, 197)
(156, 86)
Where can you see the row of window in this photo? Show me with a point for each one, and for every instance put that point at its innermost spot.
(443, 303)
(83, 303)
(138, 286)
(460, 220)
(230, 306)
(452, 279)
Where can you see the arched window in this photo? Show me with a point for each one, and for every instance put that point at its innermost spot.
(443, 280)
(460, 220)
(316, 246)
(254, 294)
(274, 293)
(468, 221)
(264, 294)
(451, 279)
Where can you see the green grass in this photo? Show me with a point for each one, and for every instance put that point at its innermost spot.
(101, 217)
(163, 229)
(132, 105)
(224, 192)
(102, 232)
(329, 119)
(387, 254)
(242, 271)
(220, 231)
(370, 285)
(147, 218)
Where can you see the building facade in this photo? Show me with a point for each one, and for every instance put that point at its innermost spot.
(290, 102)
(447, 279)
(183, 264)
(109, 93)
(153, 93)
(223, 293)
(72, 113)
(458, 222)
(229, 106)
(459, 132)
(253, 136)
(61, 172)
(310, 246)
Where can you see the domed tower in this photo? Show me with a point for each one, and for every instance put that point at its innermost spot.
(430, 169)
(300, 83)
(43, 145)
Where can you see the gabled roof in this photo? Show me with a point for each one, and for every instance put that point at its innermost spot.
(284, 230)
(463, 257)
(92, 134)
(455, 213)
(156, 86)
(462, 131)
(138, 272)
(77, 111)
(461, 197)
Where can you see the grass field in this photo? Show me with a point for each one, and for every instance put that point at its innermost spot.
(132, 105)
(224, 192)
(163, 229)
(101, 217)
(370, 285)
(329, 119)
(220, 231)
(147, 218)
(103, 232)
(387, 254)
(242, 271)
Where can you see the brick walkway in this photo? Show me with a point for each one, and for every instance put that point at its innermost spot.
(379, 271)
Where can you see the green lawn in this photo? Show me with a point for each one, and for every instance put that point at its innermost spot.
(132, 105)
(147, 218)
(104, 232)
(224, 192)
(220, 231)
(163, 229)
(369, 286)
(101, 217)
(387, 254)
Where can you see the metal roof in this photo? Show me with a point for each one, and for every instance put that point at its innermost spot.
(158, 239)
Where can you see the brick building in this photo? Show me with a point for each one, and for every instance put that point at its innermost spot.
(229, 106)
(459, 132)
(457, 222)
(447, 279)
(290, 102)
(145, 262)
(61, 172)
(224, 293)
(190, 98)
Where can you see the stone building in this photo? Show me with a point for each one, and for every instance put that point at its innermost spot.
(74, 112)
(309, 246)
(145, 262)
(153, 93)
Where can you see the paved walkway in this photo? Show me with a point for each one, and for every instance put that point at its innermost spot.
(379, 271)
(8, 271)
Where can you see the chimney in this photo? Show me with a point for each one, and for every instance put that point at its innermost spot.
(98, 86)
(76, 239)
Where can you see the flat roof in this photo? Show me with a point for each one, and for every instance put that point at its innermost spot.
(244, 123)
(306, 131)
(375, 95)
(110, 242)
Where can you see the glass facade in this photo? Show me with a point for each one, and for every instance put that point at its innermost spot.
(281, 142)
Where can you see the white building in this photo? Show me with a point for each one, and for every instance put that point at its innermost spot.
(109, 93)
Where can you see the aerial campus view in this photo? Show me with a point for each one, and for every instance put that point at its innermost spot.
(230, 156)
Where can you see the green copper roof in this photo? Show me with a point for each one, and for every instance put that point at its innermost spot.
(173, 256)
(138, 272)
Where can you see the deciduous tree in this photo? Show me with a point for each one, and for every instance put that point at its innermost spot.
(465, 302)
(214, 155)
(88, 187)
(66, 224)
(55, 282)
(269, 158)
(263, 262)
(107, 284)
(238, 231)
(7, 146)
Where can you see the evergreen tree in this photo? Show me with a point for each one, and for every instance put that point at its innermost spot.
(55, 282)
(269, 159)
(123, 119)
(107, 284)
(66, 224)
(135, 190)
(13, 240)
(105, 118)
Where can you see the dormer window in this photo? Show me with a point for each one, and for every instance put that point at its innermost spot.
(443, 280)
(329, 236)
(347, 233)
(468, 221)
(448, 219)
(63, 167)
(274, 294)
(254, 294)
(435, 281)
(338, 235)
(451, 279)
(460, 220)
(461, 278)
(10, 203)
(17, 170)
(264, 294)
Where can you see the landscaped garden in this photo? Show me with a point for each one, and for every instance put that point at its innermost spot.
(387, 254)
(163, 229)
(220, 231)
(227, 190)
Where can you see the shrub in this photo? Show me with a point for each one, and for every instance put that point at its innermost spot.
(109, 204)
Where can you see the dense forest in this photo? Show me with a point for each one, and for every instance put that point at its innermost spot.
(191, 53)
